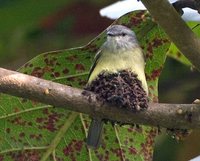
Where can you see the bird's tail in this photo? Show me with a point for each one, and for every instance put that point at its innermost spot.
(94, 133)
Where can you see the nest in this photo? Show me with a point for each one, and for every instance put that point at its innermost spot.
(122, 89)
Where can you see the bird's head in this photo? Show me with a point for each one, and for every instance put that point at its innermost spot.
(120, 38)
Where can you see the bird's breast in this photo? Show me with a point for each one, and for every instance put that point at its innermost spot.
(115, 62)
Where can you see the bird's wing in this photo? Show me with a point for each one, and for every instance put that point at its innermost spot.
(96, 59)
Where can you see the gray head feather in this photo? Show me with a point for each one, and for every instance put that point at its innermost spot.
(120, 38)
(119, 30)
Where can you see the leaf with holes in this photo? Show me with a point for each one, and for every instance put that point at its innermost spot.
(33, 131)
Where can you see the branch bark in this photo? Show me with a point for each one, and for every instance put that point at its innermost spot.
(167, 17)
(184, 116)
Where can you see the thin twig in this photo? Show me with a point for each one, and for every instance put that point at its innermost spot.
(180, 4)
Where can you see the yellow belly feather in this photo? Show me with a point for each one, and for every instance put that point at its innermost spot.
(114, 62)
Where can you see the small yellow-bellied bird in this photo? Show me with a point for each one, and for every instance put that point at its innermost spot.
(121, 51)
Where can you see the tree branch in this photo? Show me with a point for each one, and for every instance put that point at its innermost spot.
(167, 17)
(163, 115)
(193, 4)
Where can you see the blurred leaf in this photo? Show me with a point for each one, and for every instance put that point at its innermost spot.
(30, 130)
(25, 13)
(19, 17)
(176, 54)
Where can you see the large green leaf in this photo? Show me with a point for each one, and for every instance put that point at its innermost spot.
(31, 130)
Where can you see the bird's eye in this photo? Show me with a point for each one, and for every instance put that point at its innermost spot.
(123, 34)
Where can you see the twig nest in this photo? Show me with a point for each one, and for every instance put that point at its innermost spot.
(122, 89)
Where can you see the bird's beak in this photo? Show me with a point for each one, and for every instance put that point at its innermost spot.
(109, 33)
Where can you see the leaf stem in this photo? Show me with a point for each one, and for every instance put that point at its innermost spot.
(24, 148)
(24, 111)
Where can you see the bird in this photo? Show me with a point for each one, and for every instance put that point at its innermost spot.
(121, 51)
